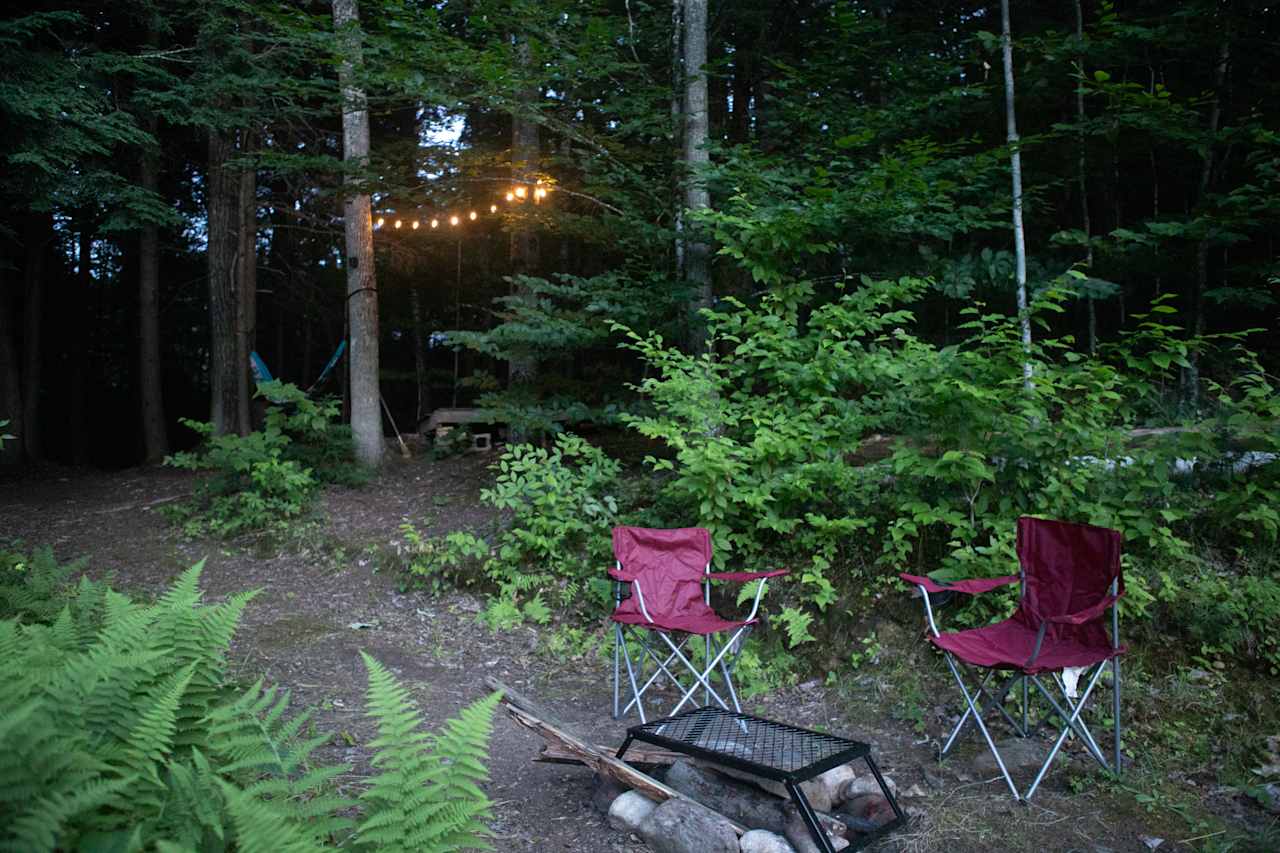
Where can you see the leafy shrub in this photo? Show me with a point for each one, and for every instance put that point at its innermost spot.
(120, 730)
(559, 506)
(778, 445)
(263, 480)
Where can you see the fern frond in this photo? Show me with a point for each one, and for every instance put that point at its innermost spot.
(41, 824)
(152, 736)
(424, 800)
(261, 828)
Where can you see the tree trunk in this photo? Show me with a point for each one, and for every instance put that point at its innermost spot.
(1191, 374)
(522, 370)
(1015, 169)
(247, 283)
(75, 316)
(419, 356)
(362, 287)
(222, 201)
(39, 231)
(677, 124)
(697, 260)
(155, 440)
(1085, 224)
(10, 380)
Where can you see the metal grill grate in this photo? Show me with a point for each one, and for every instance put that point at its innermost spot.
(764, 747)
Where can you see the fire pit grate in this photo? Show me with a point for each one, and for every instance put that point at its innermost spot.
(766, 748)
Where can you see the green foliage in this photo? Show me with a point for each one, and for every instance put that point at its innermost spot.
(426, 795)
(119, 729)
(33, 587)
(264, 480)
(776, 446)
(558, 506)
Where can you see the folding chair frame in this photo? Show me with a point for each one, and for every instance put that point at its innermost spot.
(1070, 716)
(717, 654)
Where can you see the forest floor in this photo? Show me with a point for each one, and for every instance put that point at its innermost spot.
(336, 590)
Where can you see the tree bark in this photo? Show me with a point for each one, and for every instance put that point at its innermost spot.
(10, 380)
(419, 356)
(222, 201)
(75, 321)
(155, 440)
(1191, 373)
(362, 287)
(39, 231)
(1083, 183)
(697, 257)
(1015, 169)
(677, 125)
(247, 283)
(522, 369)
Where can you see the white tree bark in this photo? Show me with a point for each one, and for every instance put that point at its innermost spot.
(1015, 169)
(697, 255)
(362, 287)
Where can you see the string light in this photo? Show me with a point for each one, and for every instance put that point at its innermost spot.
(539, 194)
(493, 208)
(521, 192)
(435, 223)
(398, 223)
(379, 223)
(510, 197)
(473, 216)
(416, 223)
(453, 220)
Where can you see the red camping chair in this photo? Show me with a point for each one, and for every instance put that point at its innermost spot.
(1070, 576)
(669, 573)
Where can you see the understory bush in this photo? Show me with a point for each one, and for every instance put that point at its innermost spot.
(551, 545)
(823, 433)
(264, 480)
(121, 730)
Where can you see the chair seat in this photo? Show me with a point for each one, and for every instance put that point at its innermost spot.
(1009, 644)
(706, 622)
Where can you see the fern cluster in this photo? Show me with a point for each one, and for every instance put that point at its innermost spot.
(119, 730)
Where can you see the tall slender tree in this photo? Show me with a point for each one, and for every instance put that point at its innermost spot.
(1015, 170)
(362, 285)
(155, 441)
(697, 254)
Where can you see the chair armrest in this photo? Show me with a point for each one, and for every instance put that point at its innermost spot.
(623, 575)
(1086, 615)
(744, 577)
(969, 587)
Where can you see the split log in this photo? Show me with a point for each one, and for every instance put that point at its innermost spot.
(637, 754)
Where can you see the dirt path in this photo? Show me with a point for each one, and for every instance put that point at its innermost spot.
(334, 594)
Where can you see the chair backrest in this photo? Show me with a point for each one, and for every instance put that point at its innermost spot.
(1066, 567)
(670, 564)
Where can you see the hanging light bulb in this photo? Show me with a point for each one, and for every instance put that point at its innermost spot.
(453, 220)
(493, 208)
(472, 216)
(398, 223)
(539, 194)
(435, 223)
(521, 192)
(511, 196)
(416, 223)
(379, 223)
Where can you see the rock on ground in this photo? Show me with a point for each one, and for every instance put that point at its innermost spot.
(629, 811)
(1018, 754)
(763, 841)
(865, 784)
(679, 826)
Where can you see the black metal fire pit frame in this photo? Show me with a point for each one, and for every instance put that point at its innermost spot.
(768, 749)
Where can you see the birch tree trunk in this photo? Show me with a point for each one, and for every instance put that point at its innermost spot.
(362, 287)
(155, 440)
(222, 202)
(1015, 169)
(697, 257)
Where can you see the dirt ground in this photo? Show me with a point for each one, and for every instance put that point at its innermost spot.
(336, 592)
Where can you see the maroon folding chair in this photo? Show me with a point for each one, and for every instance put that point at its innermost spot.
(669, 575)
(1070, 576)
